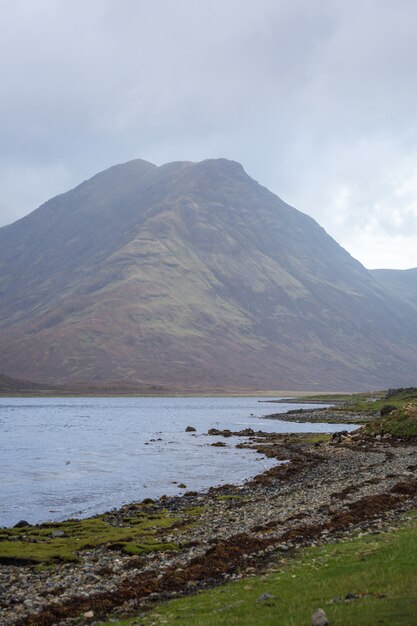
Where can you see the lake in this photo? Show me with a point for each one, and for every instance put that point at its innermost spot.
(73, 457)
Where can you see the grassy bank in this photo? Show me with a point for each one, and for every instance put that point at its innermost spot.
(365, 581)
(45, 544)
(395, 412)
(367, 403)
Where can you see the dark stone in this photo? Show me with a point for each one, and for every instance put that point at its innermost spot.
(190, 429)
(224, 433)
(351, 596)
(22, 524)
(387, 409)
(265, 596)
(337, 437)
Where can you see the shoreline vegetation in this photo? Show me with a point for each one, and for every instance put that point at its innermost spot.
(335, 527)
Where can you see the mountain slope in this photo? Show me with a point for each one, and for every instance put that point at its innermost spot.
(401, 282)
(192, 275)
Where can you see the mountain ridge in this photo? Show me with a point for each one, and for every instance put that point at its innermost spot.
(402, 282)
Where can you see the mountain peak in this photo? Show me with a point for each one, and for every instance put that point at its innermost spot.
(220, 168)
(208, 167)
(222, 164)
(129, 169)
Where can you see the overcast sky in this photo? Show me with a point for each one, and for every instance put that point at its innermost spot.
(316, 98)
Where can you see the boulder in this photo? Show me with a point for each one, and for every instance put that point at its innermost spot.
(319, 618)
(22, 524)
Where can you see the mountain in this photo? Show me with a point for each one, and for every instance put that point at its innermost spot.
(193, 276)
(401, 282)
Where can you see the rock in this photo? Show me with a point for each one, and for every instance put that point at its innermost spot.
(219, 444)
(246, 432)
(387, 409)
(265, 596)
(57, 533)
(319, 618)
(190, 429)
(88, 614)
(28, 604)
(351, 596)
(223, 433)
(182, 486)
(22, 524)
(336, 600)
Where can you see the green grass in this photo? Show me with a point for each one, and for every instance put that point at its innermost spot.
(373, 403)
(317, 438)
(378, 569)
(401, 422)
(368, 403)
(34, 544)
(329, 397)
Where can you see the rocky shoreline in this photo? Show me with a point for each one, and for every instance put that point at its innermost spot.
(326, 414)
(330, 488)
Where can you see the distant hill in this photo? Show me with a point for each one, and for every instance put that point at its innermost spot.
(192, 275)
(401, 282)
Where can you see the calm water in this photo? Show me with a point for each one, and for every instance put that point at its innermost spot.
(66, 457)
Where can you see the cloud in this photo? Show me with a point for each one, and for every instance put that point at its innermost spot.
(316, 99)
(23, 185)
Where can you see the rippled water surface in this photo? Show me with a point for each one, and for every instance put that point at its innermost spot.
(65, 457)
